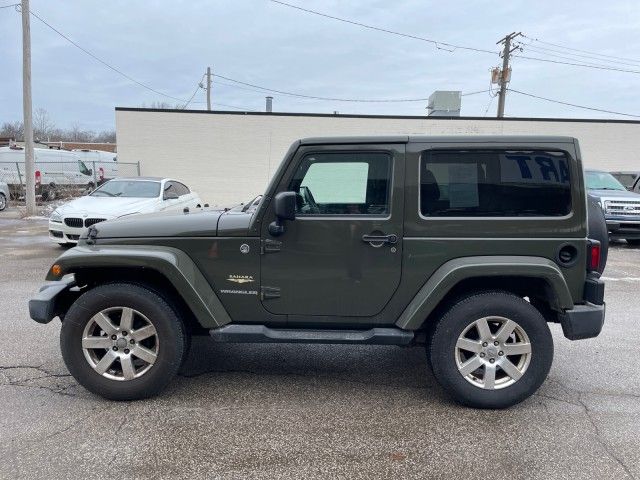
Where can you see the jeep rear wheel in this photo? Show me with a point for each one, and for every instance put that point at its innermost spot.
(122, 341)
(491, 350)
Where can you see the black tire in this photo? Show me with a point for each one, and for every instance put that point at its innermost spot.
(442, 349)
(598, 230)
(633, 241)
(170, 334)
(3, 201)
(49, 194)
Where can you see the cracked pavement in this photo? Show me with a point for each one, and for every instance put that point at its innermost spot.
(292, 411)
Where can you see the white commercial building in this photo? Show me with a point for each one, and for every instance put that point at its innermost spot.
(228, 157)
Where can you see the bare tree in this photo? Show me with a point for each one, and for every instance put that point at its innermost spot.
(162, 106)
(107, 136)
(42, 124)
(74, 131)
(14, 130)
(46, 130)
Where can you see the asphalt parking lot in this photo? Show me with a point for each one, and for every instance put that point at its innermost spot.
(292, 411)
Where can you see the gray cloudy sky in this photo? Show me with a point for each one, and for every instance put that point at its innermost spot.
(168, 44)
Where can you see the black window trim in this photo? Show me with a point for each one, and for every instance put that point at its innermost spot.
(346, 216)
(495, 218)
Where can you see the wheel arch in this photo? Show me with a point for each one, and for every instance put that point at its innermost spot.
(538, 278)
(162, 269)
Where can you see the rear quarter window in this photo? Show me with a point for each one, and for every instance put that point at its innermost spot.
(494, 183)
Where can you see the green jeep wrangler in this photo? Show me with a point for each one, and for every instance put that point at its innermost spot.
(468, 246)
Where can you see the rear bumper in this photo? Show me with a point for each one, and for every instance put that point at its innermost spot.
(44, 307)
(586, 321)
(583, 321)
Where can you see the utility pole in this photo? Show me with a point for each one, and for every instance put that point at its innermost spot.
(505, 74)
(30, 169)
(209, 88)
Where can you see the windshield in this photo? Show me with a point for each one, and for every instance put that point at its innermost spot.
(128, 188)
(602, 181)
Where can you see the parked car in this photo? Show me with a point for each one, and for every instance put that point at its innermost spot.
(630, 180)
(54, 170)
(4, 195)
(621, 207)
(465, 245)
(117, 198)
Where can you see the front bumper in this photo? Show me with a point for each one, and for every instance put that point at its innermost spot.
(48, 302)
(622, 228)
(61, 233)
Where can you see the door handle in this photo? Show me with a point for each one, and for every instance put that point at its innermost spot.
(380, 239)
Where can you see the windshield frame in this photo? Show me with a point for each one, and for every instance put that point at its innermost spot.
(611, 182)
(101, 190)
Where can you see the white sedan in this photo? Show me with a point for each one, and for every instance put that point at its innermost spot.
(118, 198)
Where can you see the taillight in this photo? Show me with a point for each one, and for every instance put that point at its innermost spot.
(593, 255)
(38, 177)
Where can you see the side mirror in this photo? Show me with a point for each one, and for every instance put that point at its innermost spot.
(284, 206)
(170, 196)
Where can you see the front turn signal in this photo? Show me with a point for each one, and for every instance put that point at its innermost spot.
(56, 270)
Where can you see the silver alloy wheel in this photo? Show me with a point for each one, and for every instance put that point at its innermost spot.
(493, 352)
(120, 343)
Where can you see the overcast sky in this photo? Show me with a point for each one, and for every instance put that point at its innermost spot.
(167, 45)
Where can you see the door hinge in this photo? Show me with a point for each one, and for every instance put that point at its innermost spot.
(270, 246)
(267, 293)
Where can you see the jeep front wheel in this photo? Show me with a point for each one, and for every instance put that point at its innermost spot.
(122, 341)
(491, 350)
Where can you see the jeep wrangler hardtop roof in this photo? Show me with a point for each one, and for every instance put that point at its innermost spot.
(438, 139)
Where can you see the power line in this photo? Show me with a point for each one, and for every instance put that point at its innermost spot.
(187, 102)
(572, 104)
(582, 62)
(10, 5)
(545, 51)
(292, 94)
(586, 65)
(581, 51)
(332, 99)
(436, 43)
(194, 93)
(235, 107)
(475, 93)
(111, 67)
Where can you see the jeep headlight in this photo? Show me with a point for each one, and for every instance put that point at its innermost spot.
(56, 217)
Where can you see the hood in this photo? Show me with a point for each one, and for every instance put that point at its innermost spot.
(106, 206)
(613, 194)
(202, 223)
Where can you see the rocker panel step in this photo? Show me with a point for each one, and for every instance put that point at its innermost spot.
(263, 334)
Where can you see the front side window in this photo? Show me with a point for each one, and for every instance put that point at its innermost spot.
(356, 183)
(494, 183)
(181, 188)
(83, 168)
